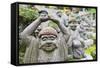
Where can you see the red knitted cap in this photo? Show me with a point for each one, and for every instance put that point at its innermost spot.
(48, 31)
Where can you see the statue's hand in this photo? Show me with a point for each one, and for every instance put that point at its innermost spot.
(55, 19)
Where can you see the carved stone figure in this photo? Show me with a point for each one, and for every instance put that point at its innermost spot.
(47, 46)
(76, 42)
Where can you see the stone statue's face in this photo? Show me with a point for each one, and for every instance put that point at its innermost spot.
(73, 25)
(75, 10)
(48, 43)
(44, 15)
(85, 26)
(68, 12)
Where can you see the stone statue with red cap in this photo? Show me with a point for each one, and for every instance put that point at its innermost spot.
(48, 46)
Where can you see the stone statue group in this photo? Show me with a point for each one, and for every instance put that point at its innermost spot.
(63, 43)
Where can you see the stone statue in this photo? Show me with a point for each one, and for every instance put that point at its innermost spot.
(47, 46)
(63, 17)
(76, 43)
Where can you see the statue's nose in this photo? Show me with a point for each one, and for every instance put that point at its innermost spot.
(49, 43)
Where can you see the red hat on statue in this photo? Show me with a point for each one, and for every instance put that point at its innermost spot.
(48, 31)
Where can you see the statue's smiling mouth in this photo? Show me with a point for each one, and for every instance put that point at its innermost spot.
(48, 47)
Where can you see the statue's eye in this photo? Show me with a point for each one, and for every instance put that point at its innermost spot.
(51, 38)
(44, 38)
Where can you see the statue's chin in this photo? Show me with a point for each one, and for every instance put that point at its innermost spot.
(48, 48)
